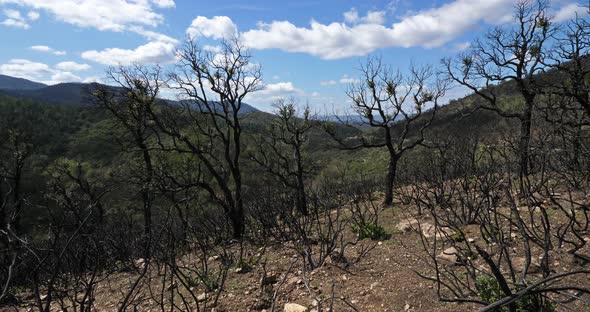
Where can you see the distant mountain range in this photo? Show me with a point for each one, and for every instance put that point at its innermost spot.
(13, 83)
(74, 94)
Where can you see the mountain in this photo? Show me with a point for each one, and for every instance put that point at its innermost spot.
(73, 94)
(13, 83)
(63, 93)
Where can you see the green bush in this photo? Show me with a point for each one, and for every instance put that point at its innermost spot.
(488, 290)
(370, 230)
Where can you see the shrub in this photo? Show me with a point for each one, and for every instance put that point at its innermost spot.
(370, 230)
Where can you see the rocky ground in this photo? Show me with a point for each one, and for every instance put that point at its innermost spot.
(385, 279)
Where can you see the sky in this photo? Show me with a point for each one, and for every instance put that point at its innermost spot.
(308, 49)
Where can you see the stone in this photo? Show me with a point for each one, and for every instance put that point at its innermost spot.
(448, 256)
(294, 307)
(407, 225)
(202, 297)
(140, 263)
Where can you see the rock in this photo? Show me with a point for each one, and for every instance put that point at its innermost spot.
(202, 297)
(140, 263)
(406, 307)
(518, 264)
(171, 286)
(448, 256)
(315, 303)
(294, 307)
(407, 225)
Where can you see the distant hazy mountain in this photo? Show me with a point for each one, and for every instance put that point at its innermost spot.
(64, 93)
(13, 83)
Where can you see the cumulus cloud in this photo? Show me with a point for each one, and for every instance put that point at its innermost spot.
(345, 79)
(113, 15)
(429, 28)
(270, 92)
(33, 15)
(218, 27)
(152, 35)
(164, 3)
(462, 46)
(372, 17)
(156, 52)
(279, 88)
(26, 69)
(14, 19)
(60, 77)
(36, 71)
(44, 48)
(72, 66)
(569, 12)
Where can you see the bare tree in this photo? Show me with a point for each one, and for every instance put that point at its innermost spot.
(208, 125)
(400, 106)
(280, 151)
(570, 62)
(514, 55)
(131, 104)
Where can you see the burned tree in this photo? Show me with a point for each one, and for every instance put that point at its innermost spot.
(401, 107)
(130, 104)
(508, 56)
(208, 123)
(280, 151)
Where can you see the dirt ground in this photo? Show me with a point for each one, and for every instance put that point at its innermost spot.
(384, 280)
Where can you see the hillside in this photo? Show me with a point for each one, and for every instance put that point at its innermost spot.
(13, 83)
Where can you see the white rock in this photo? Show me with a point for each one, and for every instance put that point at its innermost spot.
(294, 307)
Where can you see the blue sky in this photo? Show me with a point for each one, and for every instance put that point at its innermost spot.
(309, 49)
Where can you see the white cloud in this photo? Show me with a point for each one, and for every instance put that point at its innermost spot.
(348, 80)
(164, 3)
(462, 46)
(155, 52)
(218, 27)
(569, 12)
(372, 17)
(345, 79)
(351, 16)
(26, 69)
(14, 19)
(328, 83)
(152, 35)
(429, 28)
(36, 71)
(92, 79)
(113, 15)
(270, 92)
(14, 14)
(60, 77)
(210, 48)
(72, 66)
(44, 48)
(33, 15)
(279, 88)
